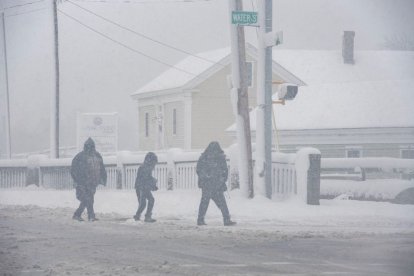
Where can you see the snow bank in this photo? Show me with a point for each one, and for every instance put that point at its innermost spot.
(378, 189)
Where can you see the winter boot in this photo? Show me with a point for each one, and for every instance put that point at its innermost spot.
(78, 218)
(149, 219)
(93, 219)
(137, 217)
(201, 222)
(229, 222)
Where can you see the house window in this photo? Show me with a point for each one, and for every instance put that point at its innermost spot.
(353, 153)
(146, 124)
(407, 153)
(174, 123)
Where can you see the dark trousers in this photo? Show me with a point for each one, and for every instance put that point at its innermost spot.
(143, 196)
(218, 198)
(86, 197)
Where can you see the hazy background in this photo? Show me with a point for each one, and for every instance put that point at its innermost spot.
(98, 75)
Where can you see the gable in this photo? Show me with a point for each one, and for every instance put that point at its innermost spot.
(195, 69)
(190, 69)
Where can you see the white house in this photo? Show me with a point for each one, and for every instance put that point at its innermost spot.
(360, 109)
(357, 109)
(189, 105)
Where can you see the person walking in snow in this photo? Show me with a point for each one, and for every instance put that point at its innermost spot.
(145, 183)
(88, 172)
(212, 176)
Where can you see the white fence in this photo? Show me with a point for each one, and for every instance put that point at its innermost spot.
(129, 171)
(178, 171)
(365, 168)
(13, 177)
(284, 179)
(175, 170)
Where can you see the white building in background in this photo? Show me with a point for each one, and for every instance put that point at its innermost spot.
(360, 109)
(190, 106)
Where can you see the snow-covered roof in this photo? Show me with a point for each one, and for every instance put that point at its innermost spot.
(376, 91)
(196, 68)
(185, 71)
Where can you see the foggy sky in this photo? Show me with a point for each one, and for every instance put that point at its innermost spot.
(98, 75)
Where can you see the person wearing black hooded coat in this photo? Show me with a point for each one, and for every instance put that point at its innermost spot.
(144, 184)
(212, 176)
(88, 171)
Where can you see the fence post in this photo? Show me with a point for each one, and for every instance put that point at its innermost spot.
(232, 154)
(234, 179)
(119, 177)
(170, 181)
(308, 174)
(32, 176)
(314, 179)
(33, 170)
(171, 167)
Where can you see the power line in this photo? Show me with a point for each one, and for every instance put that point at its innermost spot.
(26, 12)
(141, 2)
(124, 45)
(22, 5)
(144, 36)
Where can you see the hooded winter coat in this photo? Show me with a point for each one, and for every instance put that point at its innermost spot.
(144, 179)
(212, 169)
(87, 167)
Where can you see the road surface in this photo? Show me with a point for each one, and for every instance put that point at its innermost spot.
(42, 241)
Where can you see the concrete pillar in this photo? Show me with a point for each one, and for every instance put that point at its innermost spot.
(314, 179)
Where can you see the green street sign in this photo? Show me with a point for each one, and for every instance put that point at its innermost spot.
(243, 17)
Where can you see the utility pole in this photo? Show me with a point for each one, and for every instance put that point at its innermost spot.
(241, 102)
(54, 120)
(263, 164)
(6, 76)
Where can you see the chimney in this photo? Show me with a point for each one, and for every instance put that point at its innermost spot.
(348, 47)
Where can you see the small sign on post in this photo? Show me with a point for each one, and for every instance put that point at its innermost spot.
(101, 127)
(243, 17)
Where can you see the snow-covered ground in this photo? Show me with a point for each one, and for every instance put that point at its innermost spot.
(181, 207)
(338, 237)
